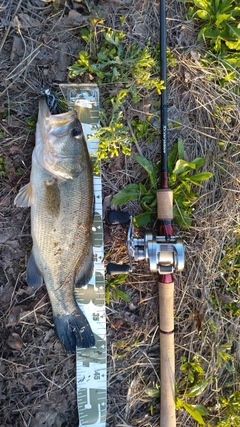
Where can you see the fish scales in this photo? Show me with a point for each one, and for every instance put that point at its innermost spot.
(60, 241)
(61, 198)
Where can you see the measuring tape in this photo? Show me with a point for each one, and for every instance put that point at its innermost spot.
(91, 363)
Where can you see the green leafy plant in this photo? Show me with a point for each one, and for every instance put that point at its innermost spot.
(229, 409)
(31, 124)
(220, 26)
(229, 278)
(223, 354)
(113, 290)
(154, 393)
(196, 411)
(144, 193)
(133, 69)
(114, 136)
(192, 385)
(182, 176)
(195, 378)
(118, 61)
(230, 262)
(143, 129)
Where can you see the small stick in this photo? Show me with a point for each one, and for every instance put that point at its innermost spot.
(10, 24)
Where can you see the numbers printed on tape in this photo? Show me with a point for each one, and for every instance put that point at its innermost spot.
(91, 362)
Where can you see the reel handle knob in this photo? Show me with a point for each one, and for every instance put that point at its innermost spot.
(113, 269)
(116, 217)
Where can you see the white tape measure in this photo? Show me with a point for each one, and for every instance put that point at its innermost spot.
(91, 363)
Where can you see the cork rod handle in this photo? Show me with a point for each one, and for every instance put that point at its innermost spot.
(167, 358)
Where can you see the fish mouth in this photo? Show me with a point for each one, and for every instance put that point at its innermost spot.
(55, 119)
(55, 124)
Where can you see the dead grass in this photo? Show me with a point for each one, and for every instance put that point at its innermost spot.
(37, 379)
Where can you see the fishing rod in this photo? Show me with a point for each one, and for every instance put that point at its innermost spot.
(164, 252)
(166, 281)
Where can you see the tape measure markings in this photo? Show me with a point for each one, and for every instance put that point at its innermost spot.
(91, 364)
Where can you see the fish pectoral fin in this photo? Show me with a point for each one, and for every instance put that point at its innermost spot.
(34, 276)
(24, 197)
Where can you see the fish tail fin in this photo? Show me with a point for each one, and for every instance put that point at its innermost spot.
(73, 331)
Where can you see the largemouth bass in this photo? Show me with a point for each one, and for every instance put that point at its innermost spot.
(60, 194)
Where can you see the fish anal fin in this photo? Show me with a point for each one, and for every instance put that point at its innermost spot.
(85, 271)
(24, 197)
(34, 276)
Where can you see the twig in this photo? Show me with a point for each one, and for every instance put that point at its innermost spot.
(134, 137)
(8, 28)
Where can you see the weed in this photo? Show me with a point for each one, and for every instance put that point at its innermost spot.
(220, 26)
(154, 393)
(118, 61)
(182, 176)
(144, 129)
(113, 290)
(31, 123)
(20, 171)
(228, 408)
(114, 136)
(133, 69)
(223, 355)
(181, 179)
(4, 114)
(229, 277)
(192, 385)
(230, 262)
(194, 381)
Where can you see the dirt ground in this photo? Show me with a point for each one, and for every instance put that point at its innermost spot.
(39, 40)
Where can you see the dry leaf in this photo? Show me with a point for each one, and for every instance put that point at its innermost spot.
(29, 381)
(26, 21)
(14, 316)
(15, 341)
(195, 55)
(117, 323)
(224, 298)
(17, 47)
(76, 18)
(6, 293)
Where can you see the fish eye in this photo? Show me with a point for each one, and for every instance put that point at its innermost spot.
(76, 131)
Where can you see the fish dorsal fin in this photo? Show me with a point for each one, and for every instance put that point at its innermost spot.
(24, 197)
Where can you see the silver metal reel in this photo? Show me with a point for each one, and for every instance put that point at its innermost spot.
(165, 254)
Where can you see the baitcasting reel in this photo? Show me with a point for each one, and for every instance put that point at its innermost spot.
(165, 254)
